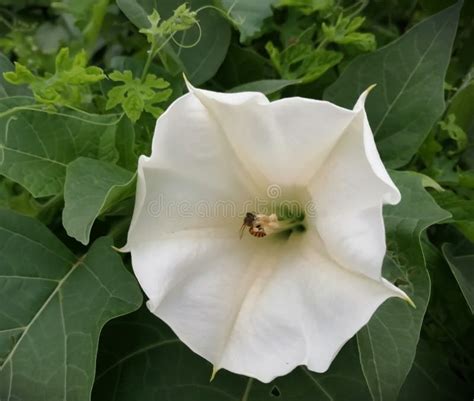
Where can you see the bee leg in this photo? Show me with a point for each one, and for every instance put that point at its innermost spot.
(241, 231)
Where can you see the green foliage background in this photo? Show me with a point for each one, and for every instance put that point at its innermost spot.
(81, 85)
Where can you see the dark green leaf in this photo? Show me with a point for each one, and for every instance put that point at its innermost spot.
(461, 107)
(409, 96)
(141, 359)
(460, 258)
(53, 308)
(462, 211)
(92, 187)
(388, 343)
(431, 378)
(241, 65)
(36, 146)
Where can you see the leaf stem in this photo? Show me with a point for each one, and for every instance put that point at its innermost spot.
(151, 55)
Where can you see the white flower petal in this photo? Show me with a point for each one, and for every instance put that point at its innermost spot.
(286, 140)
(260, 307)
(256, 308)
(348, 192)
(192, 165)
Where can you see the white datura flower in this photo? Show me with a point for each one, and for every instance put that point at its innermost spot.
(257, 233)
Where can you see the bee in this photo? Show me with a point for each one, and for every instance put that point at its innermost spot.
(255, 228)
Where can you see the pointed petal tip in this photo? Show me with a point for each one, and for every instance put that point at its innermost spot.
(409, 301)
(190, 87)
(124, 249)
(213, 374)
(366, 93)
(369, 89)
(361, 101)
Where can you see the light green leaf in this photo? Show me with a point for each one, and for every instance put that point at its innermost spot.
(53, 308)
(91, 188)
(266, 86)
(147, 362)
(6, 88)
(249, 15)
(409, 96)
(302, 61)
(69, 85)
(137, 95)
(201, 61)
(460, 257)
(36, 146)
(388, 343)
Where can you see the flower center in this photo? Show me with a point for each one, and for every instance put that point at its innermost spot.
(260, 225)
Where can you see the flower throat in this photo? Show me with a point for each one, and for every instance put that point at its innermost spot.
(284, 222)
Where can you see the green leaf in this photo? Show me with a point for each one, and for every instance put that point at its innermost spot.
(69, 85)
(18, 199)
(242, 65)
(307, 6)
(6, 88)
(137, 11)
(125, 145)
(36, 146)
(54, 306)
(450, 129)
(136, 95)
(80, 10)
(387, 344)
(92, 187)
(461, 107)
(249, 15)
(343, 32)
(141, 359)
(50, 36)
(462, 211)
(266, 86)
(201, 61)
(181, 20)
(460, 257)
(301, 61)
(409, 96)
(432, 379)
